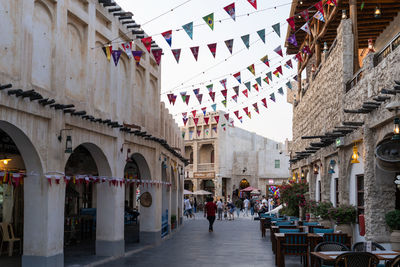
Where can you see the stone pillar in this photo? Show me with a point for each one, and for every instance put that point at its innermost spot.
(195, 155)
(344, 176)
(353, 17)
(110, 220)
(150, 231)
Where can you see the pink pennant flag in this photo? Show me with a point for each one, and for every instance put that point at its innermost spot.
(194, 113)
(253, 3)
(264, 101)
(157, 53)
(279, 69)
(212, 95)
(177, 54)
(226, 116)
(216, 118)
(223, 83)
(195, 51)
(278, 50)
(230, 9)
(147, 43)
(213, 48)
(195, 120)
(291, 23)
(168, 36)
(206, 119)
(199, 97)
(245, 92)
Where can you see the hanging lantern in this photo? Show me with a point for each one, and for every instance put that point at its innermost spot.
(377, 13)
(332, 164)
(302, 174)
(68, 144)
(354, 157)
(325, 47)
(344, 16)
(396, 130)
(316, 170)
(371, 48)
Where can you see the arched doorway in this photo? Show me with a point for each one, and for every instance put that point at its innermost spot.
(21, 179)
(165, 210)
(174, 199)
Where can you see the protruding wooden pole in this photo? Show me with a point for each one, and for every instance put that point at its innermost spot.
(353, 16)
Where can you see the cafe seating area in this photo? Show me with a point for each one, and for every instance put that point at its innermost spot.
(316, 245)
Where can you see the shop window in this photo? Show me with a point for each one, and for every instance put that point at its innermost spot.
(212, 156)
(360, 194)
(277, 164)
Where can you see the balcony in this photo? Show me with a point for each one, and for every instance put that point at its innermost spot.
(205, 167)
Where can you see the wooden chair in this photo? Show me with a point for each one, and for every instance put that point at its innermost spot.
(265, 223)
(338, 237)
(328, 246)
(312, 227)
(394, 263)
(295, 244)
(360, 246)
(7, 235)
(356, 259)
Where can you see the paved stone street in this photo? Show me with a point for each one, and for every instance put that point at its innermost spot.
(233, 243)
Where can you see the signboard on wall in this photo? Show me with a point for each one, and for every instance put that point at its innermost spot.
(204, 175)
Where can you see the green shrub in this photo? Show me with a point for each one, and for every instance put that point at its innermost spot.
(344, 214)
(173, 218)
(393, 219)
(322, 209)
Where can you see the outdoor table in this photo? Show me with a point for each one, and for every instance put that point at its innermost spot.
(382, 255)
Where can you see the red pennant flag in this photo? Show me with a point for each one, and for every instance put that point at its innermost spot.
(245, 93)
(185, 120)
(332, 2)
(198, 132)
(212, 95)
(194, 113)
(246, 110)
(305, 14)
(200, 97)
(177, 54)
(147, 43)
(237, 113)
(206, 119)
(226, 116)
(195, 51)
(256, 108)
(224, 93)
(157, 53)
(230, 9)
(216, 118)
(279, 69)
(319, 6)
(213, 48)
(223, 83)
(255, 86)
(291, 23)
(299, 57)
(204, 110)
(253, 3)
(264, 101)
(195, 120)
(237, 76)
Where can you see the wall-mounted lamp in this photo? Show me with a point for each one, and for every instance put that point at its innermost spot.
(397, 181)
(396, 129)
(316, 169)
(5, 161)
(377, 12)
(344, 16)
(68, 141)
(371, 48)
(355, 156)
(332, 164)
(302, 174)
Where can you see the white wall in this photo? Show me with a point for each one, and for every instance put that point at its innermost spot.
(356, 169)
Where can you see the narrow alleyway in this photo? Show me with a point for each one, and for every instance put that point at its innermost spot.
(233, 243)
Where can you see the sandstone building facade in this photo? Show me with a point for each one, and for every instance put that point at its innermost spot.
(88, 137)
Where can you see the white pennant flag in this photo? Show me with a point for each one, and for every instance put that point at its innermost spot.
(128, 49)
(319, 16)
(306, 28)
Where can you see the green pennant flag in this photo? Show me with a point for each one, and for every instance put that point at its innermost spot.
(224, 102)
(258, 80)
(280, 91)
(246, 40)
(289, 85)
(248, 85)
(362, 5)
(269, 75)
(277, 29)
(189, 29)
(209, 19)
(261, 33)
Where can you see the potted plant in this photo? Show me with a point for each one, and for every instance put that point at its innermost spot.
(393, 221)
(311, 207)
(344, 216)
(173, 221)
(322, 211)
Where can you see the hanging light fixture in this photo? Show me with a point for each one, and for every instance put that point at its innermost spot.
(5, 161)
(344, 16)
(396, 129)
(316, 170)
(377, 12)
(68, 144)
(355, 156)
(332, 164)
(371, 48)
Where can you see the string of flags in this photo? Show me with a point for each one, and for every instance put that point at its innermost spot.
(12, 178)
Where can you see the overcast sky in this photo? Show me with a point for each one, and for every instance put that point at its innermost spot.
(274, 122)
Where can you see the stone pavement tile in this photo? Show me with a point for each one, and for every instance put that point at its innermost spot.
(233, 243)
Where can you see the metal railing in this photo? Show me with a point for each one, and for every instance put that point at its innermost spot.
(355, 80)
(204, 167)
(389, 48)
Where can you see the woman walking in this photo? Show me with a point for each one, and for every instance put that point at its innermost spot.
(209, 211)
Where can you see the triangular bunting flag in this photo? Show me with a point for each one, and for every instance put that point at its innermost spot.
(223, 126)
(252, 69)
(306, 28)
(295, 78)
(279, 69)
(199, 97)
(157, 53)
(305, 14)
(256, 108)
(289, 85)
(189, 29)
(185, 120)
(236, 89)
(245, 92)
(236, 113)
(249, 114)
(319, 16)
(246, 40)
(210, 87)
(198, 132)
(261, 33)
(206, 131)
(299, 57)
(108, 52)
(291, 23)
(226, 116)
(116, 54)
(265, 60)
(216, 118)
(206, 119)
(292, 40)
(214, 107)
(183, 95)
(269, 75)
(194, 113)
(306, 49)
(195, 120)
(147, 43)
(168, 37)
(187, 99)
(278, 50)
(277, 29)
(272, 97)
(195, 51)
(258, 80)
(276, 73)
(183, 133)
(289, 64)
(128, 49)
(264, 102)
(280, 91)
(238, 77)
(177, 54)
(137, 55)
(256, 86)
(241, 119)
(234, 97)
(319, 6)
(224, 93)
(209, 19)
(215, 129)
(253, 3)
(266, 80)
(212, 95)
(184, 114)
(224, 102)
(246, 110)
(196, 91)
(213, 48)
(230, 9)
(248, 85)
(223, 83)
(229, 45)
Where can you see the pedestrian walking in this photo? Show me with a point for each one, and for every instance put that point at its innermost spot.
(210, 210)
(238, 206)
(231, 210)
(252, 204)
(188, 207)
(220, 209)
(195, 205)
(246, 204)
(226, 211)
